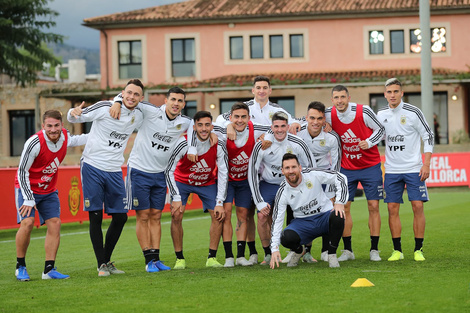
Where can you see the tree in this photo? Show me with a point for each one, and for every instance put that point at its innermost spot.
(23, 48)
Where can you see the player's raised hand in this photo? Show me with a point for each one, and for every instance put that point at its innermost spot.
(77, 111)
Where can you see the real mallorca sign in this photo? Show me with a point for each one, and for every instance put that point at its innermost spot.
(449, 169)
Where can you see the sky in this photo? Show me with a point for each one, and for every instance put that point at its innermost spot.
(72, 13)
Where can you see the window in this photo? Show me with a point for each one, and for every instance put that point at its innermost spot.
(273, 46)
(190, 108)
(376, 42)
(236, 48)
(256, 47)
(130, 59)
(397, 41)
(438, 40)
(288, 103)
(297, 46)
(403, 41)
(183, 57)
(21, 128)
(276, 46)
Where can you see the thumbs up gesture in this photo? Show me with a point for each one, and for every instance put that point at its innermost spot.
(77, 111)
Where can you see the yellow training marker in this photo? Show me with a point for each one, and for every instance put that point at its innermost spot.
(362, 282)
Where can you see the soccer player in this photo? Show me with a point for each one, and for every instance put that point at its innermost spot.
(261, 109)
(101, 172)
(360, 132)
(314, 213)
(35, 190)
(145, 184)
(326, 149)
(405, 126)
(238, 191)
(268, 163)
(207, 178)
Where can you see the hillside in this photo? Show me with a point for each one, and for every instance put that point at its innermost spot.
(66, 52)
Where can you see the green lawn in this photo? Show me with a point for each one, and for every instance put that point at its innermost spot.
(440, 284)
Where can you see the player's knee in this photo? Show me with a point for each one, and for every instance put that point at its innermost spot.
(27, 223)
(119, 218)
(290, 239)
(336, 221)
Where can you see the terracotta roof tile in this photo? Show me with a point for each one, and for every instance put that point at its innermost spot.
(302, 78)
(229, 9)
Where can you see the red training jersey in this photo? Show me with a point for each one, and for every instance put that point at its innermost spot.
(43, 171)
(201, 173)
(353, 157)
(238, 158)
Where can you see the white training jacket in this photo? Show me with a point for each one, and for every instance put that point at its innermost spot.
(269, 163)
(259, 115)
(405, 126)
(307, 199)
(108, 137)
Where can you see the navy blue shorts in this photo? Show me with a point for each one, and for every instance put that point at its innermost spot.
(370, 179)
(394, 185)
(145, 190)
(102, 188)
(48, 206)
(309, 228)
(268, 192)
(240, 192)
(207, 194)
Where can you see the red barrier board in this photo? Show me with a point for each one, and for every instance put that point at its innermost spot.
(447, 169)
(70, 196)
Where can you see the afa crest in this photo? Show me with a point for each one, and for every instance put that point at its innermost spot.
(74, 196)
(135, 202)
(322, 143)
(178, 127)
(87, 203)
(403, 120)
(133, 119)
(271, 115)
(309, 184)
(289, 150)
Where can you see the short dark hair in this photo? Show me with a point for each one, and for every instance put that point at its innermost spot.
(339, 88)
(316, 105)
(202, 114)
(261, 78)
(289, 156)
(240, 106)
(280, 116)
(136, 82)
(52, 114)
(176, 89)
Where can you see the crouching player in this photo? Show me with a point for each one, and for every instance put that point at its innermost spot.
(314, 214)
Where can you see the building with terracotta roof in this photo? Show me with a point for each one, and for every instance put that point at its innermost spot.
(214, 48)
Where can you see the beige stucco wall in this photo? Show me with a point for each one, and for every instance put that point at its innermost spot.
(332, 45)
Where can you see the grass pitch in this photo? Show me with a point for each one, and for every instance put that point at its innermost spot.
(440, 284)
